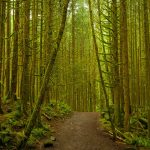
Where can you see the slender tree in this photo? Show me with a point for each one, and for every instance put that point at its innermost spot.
(100, 69)
(1, 41)
(8, 50)
(147, 50)
(73, 55)
(116, 89)
(25, 84)
(2, 35)
(13, 86)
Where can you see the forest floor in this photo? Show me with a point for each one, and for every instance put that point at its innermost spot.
(82, 131)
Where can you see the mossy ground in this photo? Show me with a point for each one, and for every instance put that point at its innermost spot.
(12, 125)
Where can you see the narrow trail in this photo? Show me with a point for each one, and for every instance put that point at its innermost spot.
(82, 132)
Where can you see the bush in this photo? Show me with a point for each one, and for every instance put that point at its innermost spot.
(60, 109)
(36, 134)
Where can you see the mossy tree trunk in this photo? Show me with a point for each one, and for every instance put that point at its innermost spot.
(13, 84)
(0, 52)
(25, 83)
(73, 56)
(8, 50)
(124, 46)
(116, 86)
(147, 51)
(2, 34)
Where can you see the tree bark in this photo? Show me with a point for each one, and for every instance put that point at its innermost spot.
(15, 54)
(25, 83)
(74, 107)
(116, 88)
(2, 33)
(124, 46)
(0, 52)
(8, 50)
(147, 50)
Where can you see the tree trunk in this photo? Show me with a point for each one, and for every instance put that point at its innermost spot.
(25, 83)
(13, 85)
(1, 40)
(124, 45)
(73, 56)
(147, 50)
(7, 90)
(2, 34)
(116, 85)
(100, 69)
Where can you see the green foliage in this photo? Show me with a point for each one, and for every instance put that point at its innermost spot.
(143, 141)
(12, 128)
(137, 140)
(32, 140)
(17, 114)
(36, 134)
(105, 123)
(11, 131)
(60, 109)
(8, 138)
(5, 136)
(63, 108)
(13, 124)
(134, 138)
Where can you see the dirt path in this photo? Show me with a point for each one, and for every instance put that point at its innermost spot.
(82, 132)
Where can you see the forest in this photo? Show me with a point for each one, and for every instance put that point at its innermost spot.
(63, 56)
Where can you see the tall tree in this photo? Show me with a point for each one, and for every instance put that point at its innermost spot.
(116, 89)
(8, 50)
(13, 86)
(73, 55)
(2, 34)
(147, 50)
(124, 49)
(25, 84)
(1, 40)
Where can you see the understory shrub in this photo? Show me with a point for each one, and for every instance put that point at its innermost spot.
(59, 109)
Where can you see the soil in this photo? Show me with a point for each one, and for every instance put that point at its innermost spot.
(83, 132)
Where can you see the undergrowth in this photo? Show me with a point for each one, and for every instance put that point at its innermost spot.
(136, 136)
(37, 134)
(12, 128)
(57, 110)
